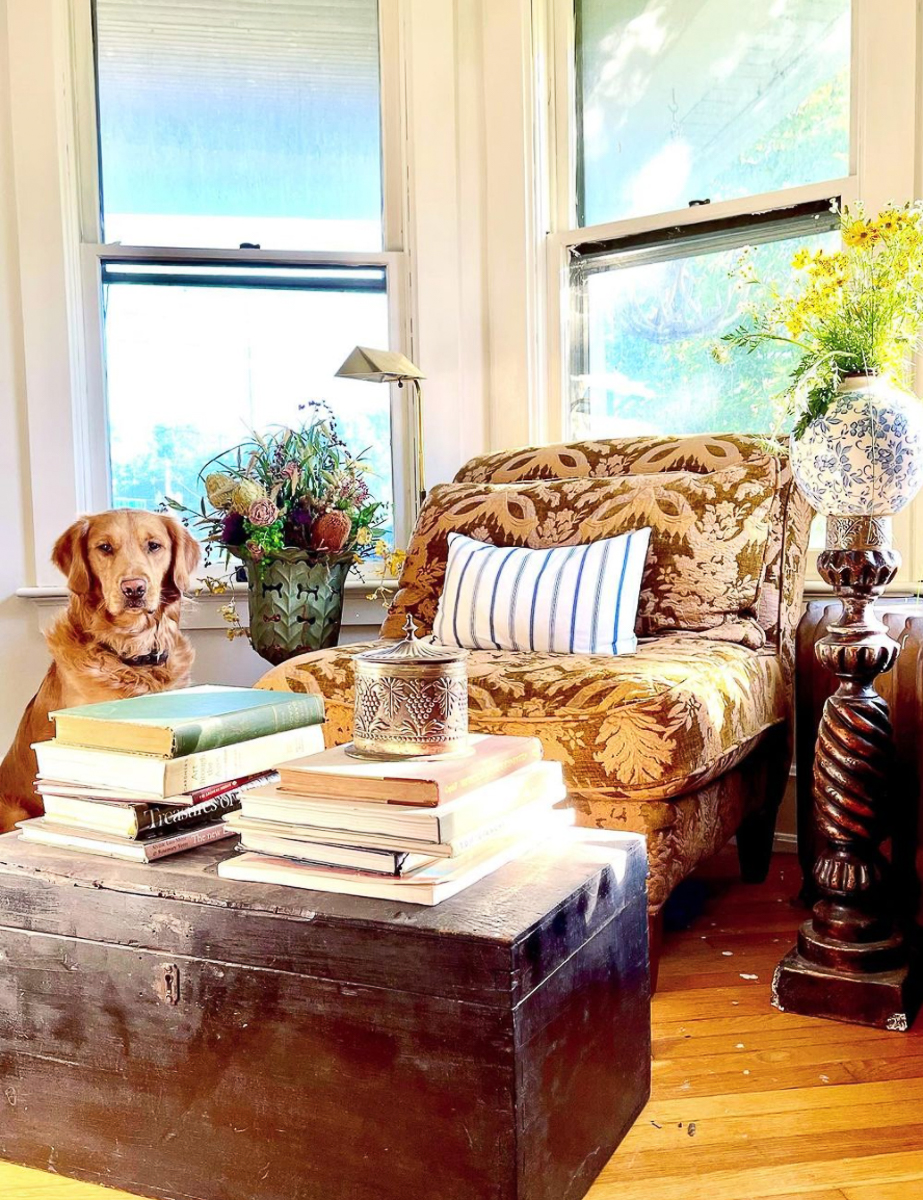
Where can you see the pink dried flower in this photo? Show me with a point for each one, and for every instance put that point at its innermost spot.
(262, 513)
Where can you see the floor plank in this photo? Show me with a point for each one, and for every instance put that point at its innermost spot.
(752, 1104)
(748, 1103)
(908, 1189)
(770, 1182)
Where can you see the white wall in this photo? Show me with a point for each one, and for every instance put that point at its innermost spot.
(22, 651)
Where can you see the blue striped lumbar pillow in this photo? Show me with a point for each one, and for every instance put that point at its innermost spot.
(567, 600)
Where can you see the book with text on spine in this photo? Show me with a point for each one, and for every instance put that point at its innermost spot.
(443, 878)
(185, 721)
(267, 837)
(43, 832)
(144, 820)
(329, 854)
(98, 794)
(168, 777)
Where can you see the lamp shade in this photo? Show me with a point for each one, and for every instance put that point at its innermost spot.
(378, 366)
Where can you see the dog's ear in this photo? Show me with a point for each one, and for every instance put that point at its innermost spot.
(70, 556)
(186, 556)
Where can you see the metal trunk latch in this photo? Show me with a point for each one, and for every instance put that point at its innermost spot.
(166, 983)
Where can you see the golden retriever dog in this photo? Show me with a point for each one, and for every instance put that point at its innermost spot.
(126, 572)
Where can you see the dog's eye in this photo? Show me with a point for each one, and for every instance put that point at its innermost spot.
(104, 547)
(153, 546)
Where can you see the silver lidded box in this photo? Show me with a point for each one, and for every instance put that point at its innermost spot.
(411, 699)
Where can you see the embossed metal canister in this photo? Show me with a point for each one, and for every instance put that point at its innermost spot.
(411, 699)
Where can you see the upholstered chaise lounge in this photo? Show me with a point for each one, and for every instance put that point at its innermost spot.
(687, 740)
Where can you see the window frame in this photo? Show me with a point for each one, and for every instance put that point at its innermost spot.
(884, 166)
(69, 444)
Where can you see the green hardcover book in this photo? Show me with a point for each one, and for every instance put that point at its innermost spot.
(186, 721)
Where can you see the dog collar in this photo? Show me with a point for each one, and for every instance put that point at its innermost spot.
(156, 658)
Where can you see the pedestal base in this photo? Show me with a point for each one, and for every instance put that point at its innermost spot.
(884, 999)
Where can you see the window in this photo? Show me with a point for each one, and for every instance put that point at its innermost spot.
(242, 231)
(255, 121)
(684, 100)
(646, 316)
(195, 356)
(700, 126)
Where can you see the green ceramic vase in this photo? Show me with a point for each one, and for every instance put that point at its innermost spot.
(295, 606)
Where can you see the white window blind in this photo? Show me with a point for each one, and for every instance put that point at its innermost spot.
(224, 122)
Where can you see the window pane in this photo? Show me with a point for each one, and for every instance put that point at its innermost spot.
(642, 337)
(191, 368)
(681, 100)
(230, 121)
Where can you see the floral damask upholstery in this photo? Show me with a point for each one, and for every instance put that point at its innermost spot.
(671, 741)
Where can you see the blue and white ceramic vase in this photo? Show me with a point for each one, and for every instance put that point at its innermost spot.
(864, 456)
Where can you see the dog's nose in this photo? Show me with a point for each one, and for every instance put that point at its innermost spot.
(133, 589)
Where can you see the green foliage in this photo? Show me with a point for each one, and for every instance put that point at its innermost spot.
(858, 310)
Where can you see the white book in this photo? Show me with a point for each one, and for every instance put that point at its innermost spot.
(253, 832)
(328, 854)
(430, 885)
(443, 823)
(46, 834)
(158, 777)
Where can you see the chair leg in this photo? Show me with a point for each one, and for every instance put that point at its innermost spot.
(754, 843)
(655, 944)
(758, 828)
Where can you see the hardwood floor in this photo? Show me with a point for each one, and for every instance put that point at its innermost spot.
(748, 1103)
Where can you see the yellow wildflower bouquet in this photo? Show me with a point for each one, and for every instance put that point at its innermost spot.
(858, 310)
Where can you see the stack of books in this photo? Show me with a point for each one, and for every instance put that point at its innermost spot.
(417, 831)
(150, 776)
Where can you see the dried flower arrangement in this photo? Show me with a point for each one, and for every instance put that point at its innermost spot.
(290, 495)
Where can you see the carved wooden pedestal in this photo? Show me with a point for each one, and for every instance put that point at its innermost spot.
(852, 962)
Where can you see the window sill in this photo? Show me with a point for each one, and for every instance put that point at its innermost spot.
(203, 611)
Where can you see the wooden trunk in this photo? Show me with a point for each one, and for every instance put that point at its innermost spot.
(177, 1035)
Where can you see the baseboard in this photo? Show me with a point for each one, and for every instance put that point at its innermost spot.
(785, 843)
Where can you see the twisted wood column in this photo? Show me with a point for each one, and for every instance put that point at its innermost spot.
(852, 961)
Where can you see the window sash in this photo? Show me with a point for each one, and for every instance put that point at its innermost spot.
(85, 167)
(97, 258)
(96, 262)
(709, 237)
(257, 63)
(597, 260)
(336, 278)
(576, 102)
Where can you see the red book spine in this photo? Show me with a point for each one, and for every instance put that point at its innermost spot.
(231, 785)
